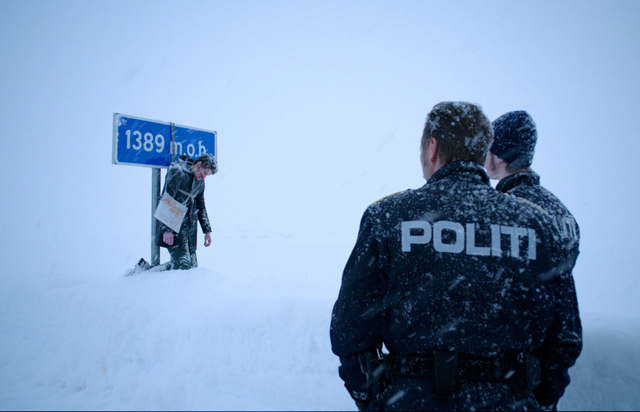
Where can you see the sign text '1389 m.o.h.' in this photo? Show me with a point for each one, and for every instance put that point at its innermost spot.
(143, 142)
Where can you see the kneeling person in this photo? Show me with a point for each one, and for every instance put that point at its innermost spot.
(185, 183)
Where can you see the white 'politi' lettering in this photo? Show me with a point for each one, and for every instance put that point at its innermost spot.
(455, 227)
(463, 238)
(409, 239)
(472, 249)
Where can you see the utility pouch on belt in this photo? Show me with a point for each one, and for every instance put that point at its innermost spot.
(526, 375)
(445, 368)
(375, 365)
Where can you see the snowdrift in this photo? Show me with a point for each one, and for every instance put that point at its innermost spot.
(195, 340)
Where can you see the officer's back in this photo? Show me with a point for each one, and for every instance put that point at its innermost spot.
(509, 161)
(454, 278)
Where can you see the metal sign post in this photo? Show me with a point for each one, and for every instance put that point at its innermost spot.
(155, 195)
(150, 143)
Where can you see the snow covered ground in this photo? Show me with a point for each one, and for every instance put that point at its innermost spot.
(209, 340)
(319, 107)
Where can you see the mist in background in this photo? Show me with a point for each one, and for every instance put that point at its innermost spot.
(319, 109)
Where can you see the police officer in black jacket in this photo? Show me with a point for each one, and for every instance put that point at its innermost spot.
(457, 281)
(509, 161)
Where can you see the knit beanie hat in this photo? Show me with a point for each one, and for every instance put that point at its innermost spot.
(514, 138)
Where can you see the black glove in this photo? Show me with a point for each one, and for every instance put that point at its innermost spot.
(360, 398)
(362, 405)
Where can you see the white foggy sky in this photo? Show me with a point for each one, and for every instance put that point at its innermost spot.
(319, 107)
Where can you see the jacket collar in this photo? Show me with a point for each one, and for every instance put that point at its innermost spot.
(529, 178)
(185, 163)
(465, 168)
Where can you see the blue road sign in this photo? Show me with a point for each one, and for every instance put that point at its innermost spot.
(143, 142)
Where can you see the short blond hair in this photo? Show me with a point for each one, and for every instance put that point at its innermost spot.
(462, 131)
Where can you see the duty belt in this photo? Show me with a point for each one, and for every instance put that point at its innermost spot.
(468, 367)
(445, 368)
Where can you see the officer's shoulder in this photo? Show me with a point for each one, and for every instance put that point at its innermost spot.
(534, 204)
(391, 197)
(541, 198)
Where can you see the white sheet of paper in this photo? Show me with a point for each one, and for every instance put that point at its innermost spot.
(170, 212)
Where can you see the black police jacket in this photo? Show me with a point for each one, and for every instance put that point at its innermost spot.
(181, 184)
(454, 265)
(566, 332)
(526, 186)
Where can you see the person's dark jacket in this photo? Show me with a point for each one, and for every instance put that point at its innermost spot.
(566, 330)
(454, 265)
(181, 184)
